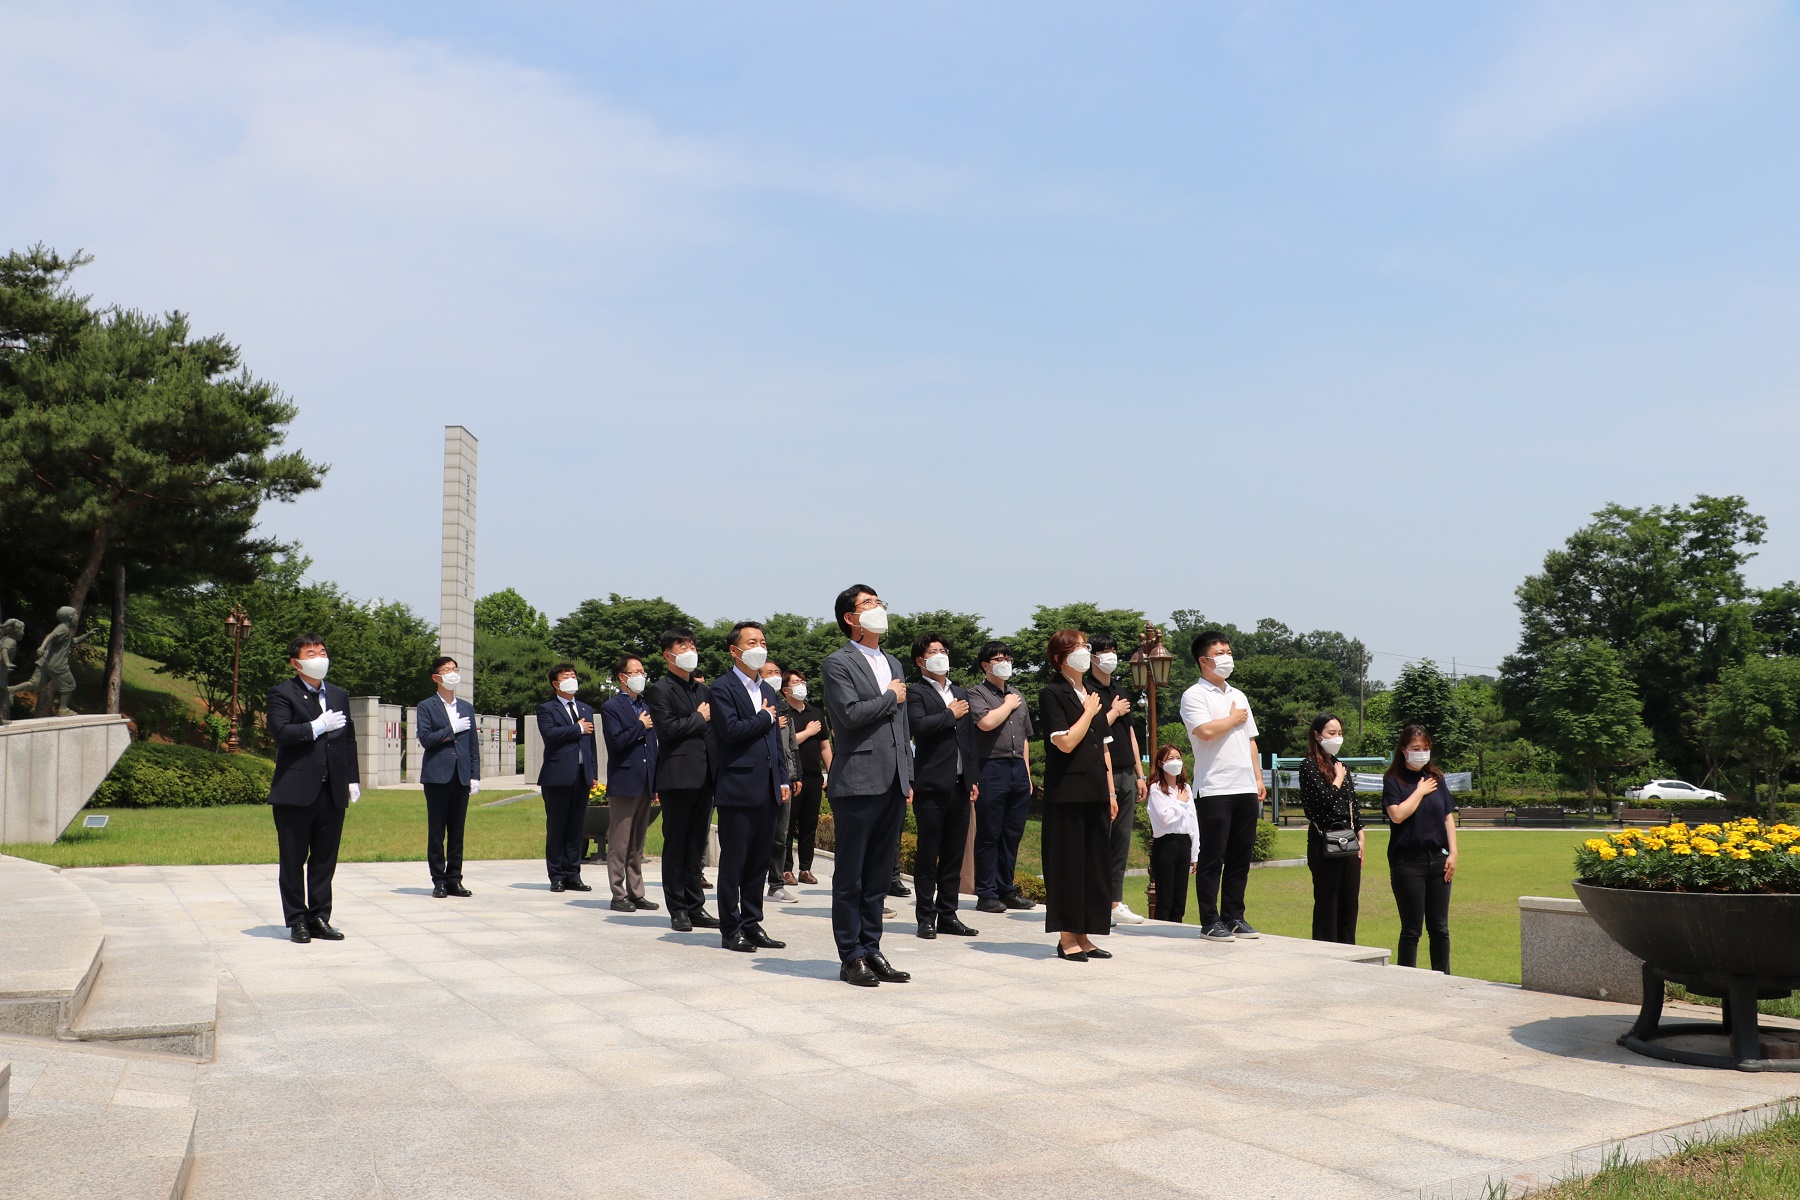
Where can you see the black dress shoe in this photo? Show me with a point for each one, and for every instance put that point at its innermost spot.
(644, 903)
(884, 970)
(297, 933)
(737, 941)
(857, 971)
(439, 891)
(680, 922)
(954, 925)
(1017, 900)
(457, 889)
(927, 928)
(897, 888)
(1097, 952)
(575, 885)
(762, 940)
(323, 929)
(1078, 956)
(703, 919)
(556, 885)
(990, 905)
(623, 906)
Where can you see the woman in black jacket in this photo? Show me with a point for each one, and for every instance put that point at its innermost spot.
(1328, 795)
(1079, 804)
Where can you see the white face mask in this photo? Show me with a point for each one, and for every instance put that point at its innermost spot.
(938, 664)
(569, 686)
(1000, 670)
(1171, 766)
(1331, 745)
(314, 668)
(1107, 661)
(1079, 660)
(774, 682)
(875, 620)
(1417, 758)
(1222, 665)
(450, 679)
(687, 660)
(754, 658)
(798, 691)
(636, 683)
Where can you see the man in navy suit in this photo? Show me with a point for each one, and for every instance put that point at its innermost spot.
(315, 782)
(566, 778)
(944, 785)
(752, 783)
(451, 773)
(630, 784)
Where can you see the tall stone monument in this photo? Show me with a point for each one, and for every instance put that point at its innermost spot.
(456, 619)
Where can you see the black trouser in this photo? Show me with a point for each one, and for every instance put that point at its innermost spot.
(308, 836)
(745, 834)
(687, 815)
(1227, 838)
(1077, 856)
(943, 820)
(784, 815)
(1422, 895)
(1171, 862)
(1125, 787)
(1337, 892)
(446, 811)
(1001, 810)
(565, 830)
(803, 824)
(866, 828)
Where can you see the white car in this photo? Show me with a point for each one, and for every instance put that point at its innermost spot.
(1671, 789)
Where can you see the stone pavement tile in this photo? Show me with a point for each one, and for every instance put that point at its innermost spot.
(434, 1170)
(929, 1187)
(1054, 1064)
(747, 1058)
(799, 1153)
(1165, 1098)
(858, 1048)
(789, 1019)
(228, 1100)
(1457, 1126)
(1078, 1175)
(969, 1037)
(944, 1139)
(834, 1094)
(322, 1135)
(586, 1038)
(1206, 1164)
(286, 1170)
(76, 1076)
(951, 1079)
(134, 1098)
(517, 1080)
(1391, 1158)
(585, 983)
(1665, 1087)
(356, 1094)
(681, 1169)
(680, 1028)
(657, 1067)
(276, 1004)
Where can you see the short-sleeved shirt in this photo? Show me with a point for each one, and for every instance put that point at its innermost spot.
(1118, 734)
(1425, 828)
(1007, 739)
(812, 750)
(1224, 766)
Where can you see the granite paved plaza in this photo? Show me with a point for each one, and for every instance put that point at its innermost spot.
(526, 1044)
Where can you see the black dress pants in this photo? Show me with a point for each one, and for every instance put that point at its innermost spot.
(943, 820)
(308, 836)
(778, 847)
(565, 830)
(1077, 861)
(1125, 787)
(745, 834)
(1171, 862)
(1001, 811)
(803, 824)
(1227, 839)
(1337, 891)
(1422, 895)
(446, 812)
(867, 828)
(687, 815)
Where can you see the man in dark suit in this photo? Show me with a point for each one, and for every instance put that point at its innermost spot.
(315, 781)
(680, 709)
(871, 782)
(630, 784)
(567, 777)
(944, 773)
(451, 773)
(752, 783)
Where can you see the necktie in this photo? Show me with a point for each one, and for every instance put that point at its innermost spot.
(573, 719)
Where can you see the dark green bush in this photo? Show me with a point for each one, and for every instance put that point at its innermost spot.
(155, 775)
(1264, 850)
(1031, 886)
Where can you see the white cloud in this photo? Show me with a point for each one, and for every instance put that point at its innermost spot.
(1579, 64)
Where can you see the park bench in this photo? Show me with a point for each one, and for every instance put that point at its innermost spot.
(1486, 816)
(1544, 814)
(1645, 816)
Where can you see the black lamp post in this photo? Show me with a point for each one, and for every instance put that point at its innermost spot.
(238, 622)
(1150, 670)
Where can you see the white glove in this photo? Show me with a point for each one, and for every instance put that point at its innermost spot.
(328, 721)
(474, 787)
(355, 792)
(459, 724)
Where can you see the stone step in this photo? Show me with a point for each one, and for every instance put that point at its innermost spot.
(158, 987)
(54, 1149)
(53, 935)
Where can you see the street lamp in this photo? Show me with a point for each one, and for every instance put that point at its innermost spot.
(237, 621)
(1150, 671)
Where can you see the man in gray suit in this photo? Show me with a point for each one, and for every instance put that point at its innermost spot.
(871, 783)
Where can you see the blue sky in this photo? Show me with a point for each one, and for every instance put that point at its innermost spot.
(1342, 314)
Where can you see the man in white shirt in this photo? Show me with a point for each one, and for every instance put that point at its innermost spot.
(1228, 788)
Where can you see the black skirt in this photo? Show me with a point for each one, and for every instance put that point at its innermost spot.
(1077, 868)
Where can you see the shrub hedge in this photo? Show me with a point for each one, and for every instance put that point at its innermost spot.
(156, 775)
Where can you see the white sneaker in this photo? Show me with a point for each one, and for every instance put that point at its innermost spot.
(782, 896)
(1122, 915)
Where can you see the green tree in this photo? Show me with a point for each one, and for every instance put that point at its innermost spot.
(963, 634)
(1028, 643)
(1755, 713)
(505, 613)
(599, 631)
(1424, 695)
(1776, 619)
(801, 643)
(1588, 710)
(1488, 727)
(512, 674)
(1285, 693)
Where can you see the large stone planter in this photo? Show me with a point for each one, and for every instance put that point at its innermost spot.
(1740, 948)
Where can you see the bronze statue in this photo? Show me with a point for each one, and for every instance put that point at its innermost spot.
(54, 681)
(11, 630)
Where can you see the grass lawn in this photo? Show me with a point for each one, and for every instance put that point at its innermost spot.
(1761, 1166)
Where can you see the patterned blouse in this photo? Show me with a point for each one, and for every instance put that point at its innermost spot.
(1328, 807)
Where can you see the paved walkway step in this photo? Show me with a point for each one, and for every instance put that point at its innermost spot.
(53, 936)
(54, 1149)
(158, 987)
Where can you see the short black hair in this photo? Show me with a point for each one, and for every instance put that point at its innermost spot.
(791, 673)
(557, 671)
(990, 650)
(923, 642)
(1102, 642)
(303, 641)
(679, 633)
(437, 664)
(846, 603)
(731, 639)
(625, 660)
(1206, 641)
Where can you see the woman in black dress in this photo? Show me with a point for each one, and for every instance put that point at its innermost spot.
(1328, 795)
(1079, 804)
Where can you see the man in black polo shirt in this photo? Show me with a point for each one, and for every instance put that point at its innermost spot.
(814, 742)
(1127, 761)
(1002, 735)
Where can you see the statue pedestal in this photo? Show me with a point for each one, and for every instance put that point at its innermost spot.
(49, 769)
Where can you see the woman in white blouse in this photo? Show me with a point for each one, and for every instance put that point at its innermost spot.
(1176, 832)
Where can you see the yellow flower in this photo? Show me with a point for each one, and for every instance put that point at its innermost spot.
(1709, 853)
(1628, 852)
(1654, 843)
(1595, 844)
(1607, 853)
(1740, 854)
(1683, 848)
(1707, 831)
(1794, 849)
(1706, 845)
(1761, 845)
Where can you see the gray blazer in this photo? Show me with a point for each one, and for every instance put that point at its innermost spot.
(870, 742)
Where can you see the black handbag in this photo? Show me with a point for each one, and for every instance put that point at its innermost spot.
(1341, 843)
